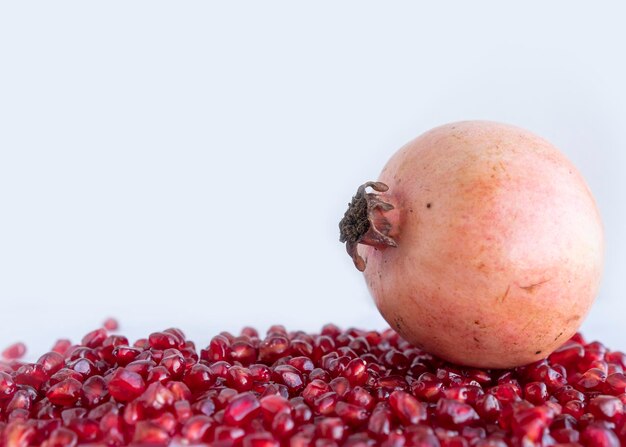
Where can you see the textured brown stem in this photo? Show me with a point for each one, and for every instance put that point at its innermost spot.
(364, 223)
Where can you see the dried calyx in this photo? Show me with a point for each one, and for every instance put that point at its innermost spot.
(364, 222)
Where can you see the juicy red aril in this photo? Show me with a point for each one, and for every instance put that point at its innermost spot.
(407, 408)
(379, 424)
(302, 364)
(31, 374)
(597, 436)
(340, 385)
(123, 355)
(356, 372)
(273, 347)
(330, 428)
(361, 397)
(156, 398)
(94, 338)
(110, 324)
(64, 393)
(454, 414)
(163, 340)
(243, 352)
(241, 408)
(61, 437)
(126, 385)
(289, 376)
(283, 424)
(591, 380)
(147, 432)
(94, 391)
(158, 374)
(608, 408)
(536, 392)
(351, 414)
(239, 378)
(351, 388)
(7, 386)
(51, 362)
(15, 351)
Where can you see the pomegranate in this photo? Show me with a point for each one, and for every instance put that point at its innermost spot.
(385, 392)
(481, 243)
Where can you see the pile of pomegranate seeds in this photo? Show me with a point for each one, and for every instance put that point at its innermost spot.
(352, 388)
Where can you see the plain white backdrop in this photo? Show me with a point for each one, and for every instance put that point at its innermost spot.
(186, 164)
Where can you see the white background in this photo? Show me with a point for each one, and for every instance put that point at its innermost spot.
(186, 164)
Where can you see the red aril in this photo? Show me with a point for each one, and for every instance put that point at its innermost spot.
(169, 394)
(15, 351)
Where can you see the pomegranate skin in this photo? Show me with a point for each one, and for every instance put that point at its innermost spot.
(499, 245)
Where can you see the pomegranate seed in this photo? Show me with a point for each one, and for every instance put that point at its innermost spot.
(204, 406)
(271, 405)
(599, 437)
(147, 432)
(243, 352)
(379, 424)
(428, 391)
(51, 362)
(574, 408)
(591, 380)
(18, 434)
(260, 440)
(325, 404)
(126, 385)
(158, 374)
(454, 414)
(166, 421)
(314, 390)
(65, 393)
(197, 428)
(7, 386)
(239, 378)
(530, 423)
(31, 374)
(229, 434)
(94, 338)
(163, 340)
(283, 425)
(352, 414)
(15, 351)
(61, 437)
(302, 364)
(536, 392)
(361, 397)
(273, 347)
(466, 394)
(61, 346)
(94, 391)
(156, 398)
(330, 428)
(616, 383)
(488, 407)
(123, 355)
(63, 374)
(609, 408)
(340, 385)
(289, 376)
(241, 408)
(408, 409)
(506, 392)
(352, 388)
(111, 324)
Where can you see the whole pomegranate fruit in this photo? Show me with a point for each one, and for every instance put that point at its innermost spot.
(481, 244)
